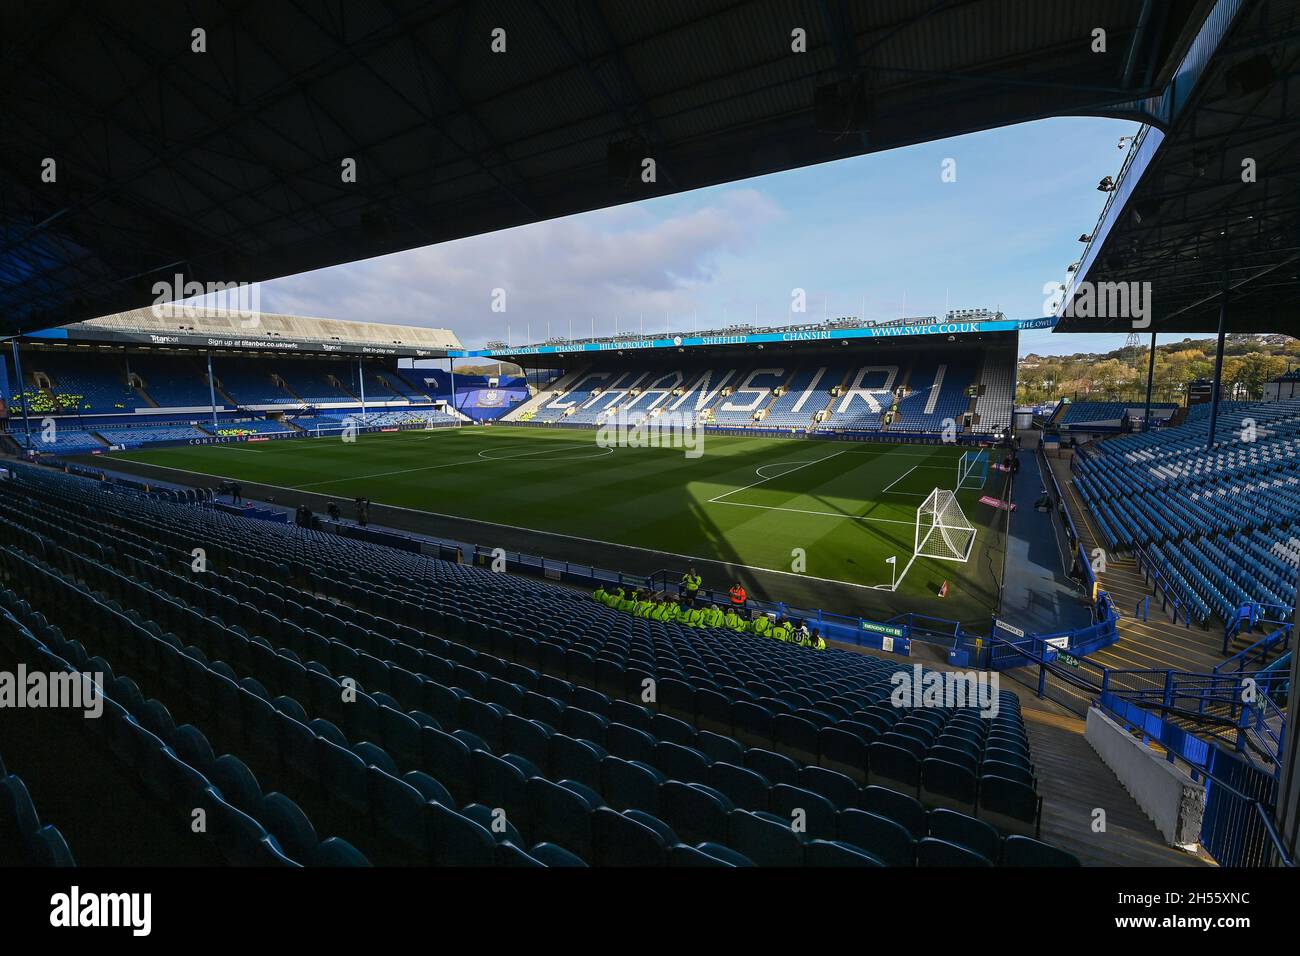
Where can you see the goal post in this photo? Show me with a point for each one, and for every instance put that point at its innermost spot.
(943, 532)
(973, 468)
(942, 529)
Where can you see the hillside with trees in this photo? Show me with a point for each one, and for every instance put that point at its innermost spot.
(1249, 361)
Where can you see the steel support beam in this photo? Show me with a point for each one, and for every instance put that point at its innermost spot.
(1151, 373)
(1287, 813)
(22, 392)
(212, 394)
(1218, 365)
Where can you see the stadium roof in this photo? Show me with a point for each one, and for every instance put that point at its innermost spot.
(196, 326)
(1185, 216)
(226, 165)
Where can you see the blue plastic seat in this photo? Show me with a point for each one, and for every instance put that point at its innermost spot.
(696, 813)
(935, 852)
(840, 789)
(745, 788)
(629, 785)
(50, 849)
(338, 852)
(343, 774)
(499, 783)
(765, 839)
(630, 743)
(237, 784)
(965, 831)
(681, 763)
(899, 807)
(550, 854)
(803, 808)
(493, 820)
(289, 825)
(883, 838)
(619, 840)
(448, 760)
(456, 840)
(1024, 851)
(575, 759)
(778, 768)
(836, 853)
(397, 810)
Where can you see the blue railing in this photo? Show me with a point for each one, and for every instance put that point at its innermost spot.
(1256, 654)
(1268, 721)
(1218, 700)
(1252, 615)
(1173, 596)
(1237, 826)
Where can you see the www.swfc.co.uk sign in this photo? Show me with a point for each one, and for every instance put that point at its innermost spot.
(755, 338)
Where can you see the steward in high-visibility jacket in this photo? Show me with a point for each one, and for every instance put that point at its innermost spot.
(695, 617)
(626, 604)
(642, 607)
(714, 616)
(738, 595)
(815, 641)
(734, 620)
(659, 610)
(781, 631)
(613, 597)
(600, 594)
(672, 611)
(691, 584)
(763, 626)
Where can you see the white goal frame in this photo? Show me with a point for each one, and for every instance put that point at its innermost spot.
(973, 469)
(940, 513)
(943, 531)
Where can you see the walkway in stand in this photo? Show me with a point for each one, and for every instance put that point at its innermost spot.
(1038, 597)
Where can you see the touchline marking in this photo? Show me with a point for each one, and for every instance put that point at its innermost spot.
(555, 534)
(727, 494)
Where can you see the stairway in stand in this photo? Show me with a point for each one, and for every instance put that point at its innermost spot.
(1154, 643)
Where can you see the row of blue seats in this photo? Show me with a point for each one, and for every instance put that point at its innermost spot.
(482, 758)
(24, 840)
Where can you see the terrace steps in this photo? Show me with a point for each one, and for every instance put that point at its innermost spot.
(843, 383)
(785, 386)
(1154, 643)
(1074, 783)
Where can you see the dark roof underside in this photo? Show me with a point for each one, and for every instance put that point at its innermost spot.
(1193, 224)
(226, 165)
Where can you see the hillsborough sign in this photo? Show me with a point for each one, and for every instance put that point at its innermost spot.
(758, 338)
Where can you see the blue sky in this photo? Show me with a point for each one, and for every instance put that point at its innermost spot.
(881, 232)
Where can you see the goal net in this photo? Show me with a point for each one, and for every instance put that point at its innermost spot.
(942, 529)
(973, 469)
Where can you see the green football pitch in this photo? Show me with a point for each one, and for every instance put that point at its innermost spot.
(786, 510)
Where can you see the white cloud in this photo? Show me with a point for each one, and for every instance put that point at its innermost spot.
(651, 259)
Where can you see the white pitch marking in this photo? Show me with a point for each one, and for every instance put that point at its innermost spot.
(727, 494)
(801, 511)
(898, 479)
(447, 464)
